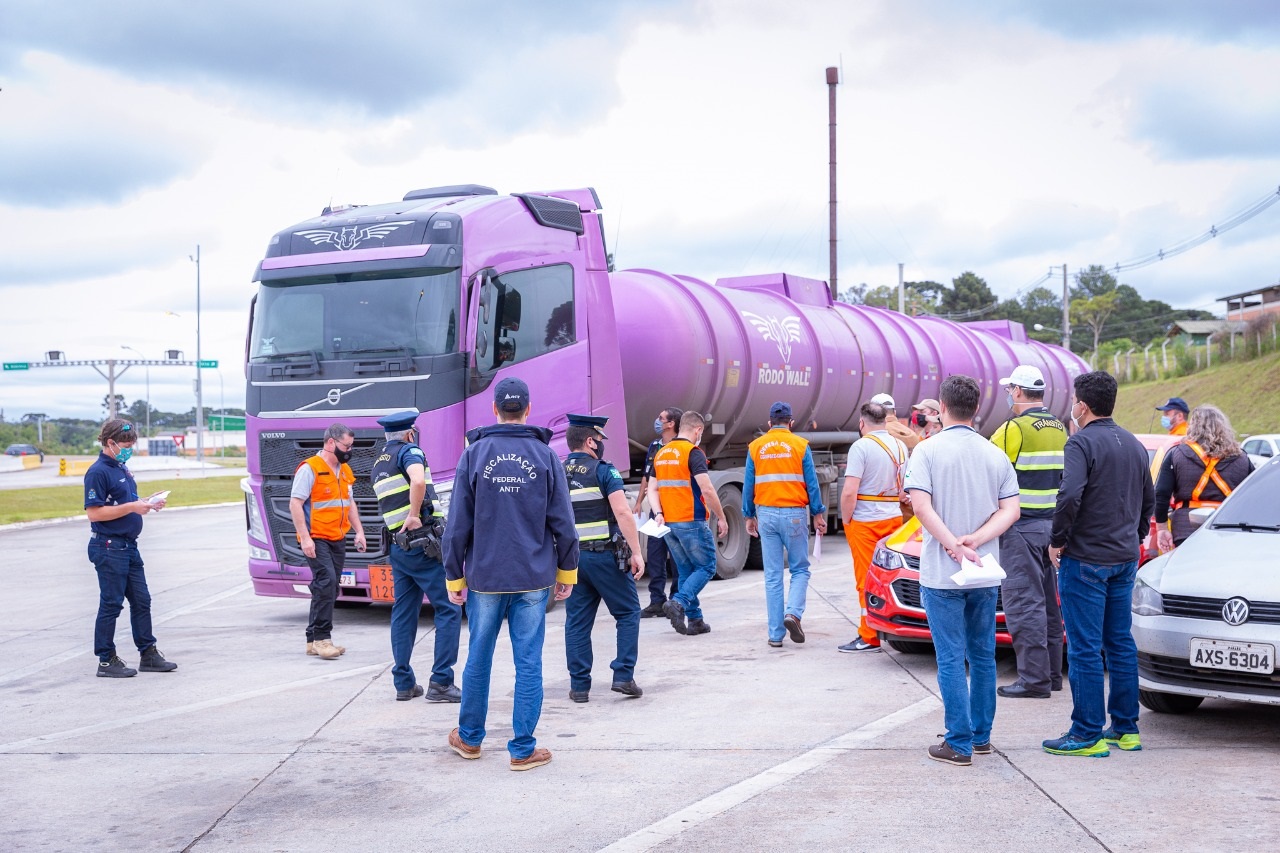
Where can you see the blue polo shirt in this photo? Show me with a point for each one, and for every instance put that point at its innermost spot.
(108, 483)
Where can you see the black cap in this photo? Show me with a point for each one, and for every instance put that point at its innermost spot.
(780, 410)
(399, 421)
(511, 395)
(595, 422)
(1175, 403)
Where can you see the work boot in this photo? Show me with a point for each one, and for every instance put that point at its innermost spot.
(674, 611)
(654, 609)
(627, 688)
(412, 693)
(698, 626)
(153, 661)
(579, 696)
(325, 650)
(115, 668)
(311, 649)
(443, 693)
(792, 623)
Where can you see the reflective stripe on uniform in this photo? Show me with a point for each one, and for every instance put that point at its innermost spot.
(1044, 460)
(673, 484)
(1038, 498)
(329, 504)
(780, 478)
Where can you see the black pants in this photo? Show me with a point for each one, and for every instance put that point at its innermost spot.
(1031, 609)
(660, 566)
(326, 567)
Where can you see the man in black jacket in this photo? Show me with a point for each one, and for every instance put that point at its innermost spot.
(1103, 511)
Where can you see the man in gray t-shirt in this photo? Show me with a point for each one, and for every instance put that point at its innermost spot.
(965, 493)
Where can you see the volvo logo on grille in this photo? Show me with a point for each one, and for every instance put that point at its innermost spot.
(1235, 611)
(334, 396)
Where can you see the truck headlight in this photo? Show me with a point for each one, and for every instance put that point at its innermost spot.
(887, 558)
(1146, 601)
(253, 519)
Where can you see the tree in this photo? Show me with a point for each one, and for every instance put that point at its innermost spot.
(915, 301)
(1093, 281)
(121, 405)
(854, 295)
(1094, 313)
(969, 297)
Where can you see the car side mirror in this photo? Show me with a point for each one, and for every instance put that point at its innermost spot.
(1200, 515)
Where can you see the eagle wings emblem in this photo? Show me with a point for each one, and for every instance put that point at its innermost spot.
(351, 236)
(781, 332)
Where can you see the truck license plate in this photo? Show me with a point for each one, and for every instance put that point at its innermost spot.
(1240, 657)
(347, 579)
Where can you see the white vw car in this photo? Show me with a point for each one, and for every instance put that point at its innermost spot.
(1206, 617)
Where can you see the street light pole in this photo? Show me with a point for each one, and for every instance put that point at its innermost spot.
(222, 410)
(199, 383)
(148, 369)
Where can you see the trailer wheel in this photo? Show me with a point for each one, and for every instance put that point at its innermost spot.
(731, 553)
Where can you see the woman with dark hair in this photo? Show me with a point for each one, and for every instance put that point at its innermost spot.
(1201, 471)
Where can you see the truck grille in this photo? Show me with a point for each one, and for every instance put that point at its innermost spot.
(1193, 607)
(1178, 671)
(280, 457)
(907, 591)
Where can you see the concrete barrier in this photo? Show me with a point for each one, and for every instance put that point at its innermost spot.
(29, 462)
(74, 468)
(11, 463)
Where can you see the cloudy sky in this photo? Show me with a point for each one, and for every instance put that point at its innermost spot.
(998, 136)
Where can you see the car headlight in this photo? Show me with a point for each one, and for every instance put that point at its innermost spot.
(887, 558)
(443, 492)
(1146, 601)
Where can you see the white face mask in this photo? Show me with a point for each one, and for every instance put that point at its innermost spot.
(1074, 419)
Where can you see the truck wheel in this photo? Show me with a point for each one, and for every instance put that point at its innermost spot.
(755, 555)
(731, 554)
(1169, 703)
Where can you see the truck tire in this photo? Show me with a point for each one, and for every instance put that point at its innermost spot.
(731, 554)
(755, 555)
(1169, 703)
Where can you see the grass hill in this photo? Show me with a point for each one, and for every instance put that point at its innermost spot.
(1248, 391)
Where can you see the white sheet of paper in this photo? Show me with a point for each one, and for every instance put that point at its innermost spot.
(970, 572)
(817, 546)
(158, 497)
(653, 528)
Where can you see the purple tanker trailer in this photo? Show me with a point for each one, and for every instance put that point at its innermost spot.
(427, 302)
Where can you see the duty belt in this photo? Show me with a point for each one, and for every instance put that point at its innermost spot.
(597, 545)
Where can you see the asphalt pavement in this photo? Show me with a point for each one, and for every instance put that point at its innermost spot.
(253, 746)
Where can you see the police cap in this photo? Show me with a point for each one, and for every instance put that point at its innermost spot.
(399, 421)
(595, 422)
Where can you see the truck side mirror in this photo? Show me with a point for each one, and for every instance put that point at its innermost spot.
(506, 351)
(482, 343)
(485, 299)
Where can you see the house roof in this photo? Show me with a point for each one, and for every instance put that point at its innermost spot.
(1205, 327)
(1255, 292)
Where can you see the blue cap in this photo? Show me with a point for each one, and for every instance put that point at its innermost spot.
(780, 410)
(399, 421)
(511, 395)
(595, 422)
(1175, 403)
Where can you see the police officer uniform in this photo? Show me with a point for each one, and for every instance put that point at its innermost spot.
(602, 570)
(415, 564)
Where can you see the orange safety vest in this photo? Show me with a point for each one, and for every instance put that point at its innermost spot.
(1180, 429)
(1210, 473)
(896, 495)
(675, 483)
(330, 500)
(778, 457)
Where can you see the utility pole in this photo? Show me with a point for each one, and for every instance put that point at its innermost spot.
(199, 383)
(902, 293)
(833, 79)
(1066, 311)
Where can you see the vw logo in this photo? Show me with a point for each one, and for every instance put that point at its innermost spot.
(1235, 611)
(334, 396)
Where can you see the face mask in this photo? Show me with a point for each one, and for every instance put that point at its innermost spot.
(599, 449)
(343, 456)
(1008, 398)
(1074, 419)
(1166, 422)
(124, 455)
(657, 426)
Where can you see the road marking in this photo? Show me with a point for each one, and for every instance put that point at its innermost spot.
(40, 740)
(735, 795)
(72, 654)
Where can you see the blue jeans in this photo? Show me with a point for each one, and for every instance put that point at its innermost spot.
(963, 624)
(415, 575)
(600, 579)
(120, 577)
(526, 617)
(1095, 607)
(694, 550)
(661, 568)
(784, 530)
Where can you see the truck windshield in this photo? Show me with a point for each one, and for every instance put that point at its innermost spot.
(350, 315)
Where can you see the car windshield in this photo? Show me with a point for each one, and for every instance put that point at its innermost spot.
(356, 314)
(1256, 502)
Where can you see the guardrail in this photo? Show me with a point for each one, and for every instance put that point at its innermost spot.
(74, 468)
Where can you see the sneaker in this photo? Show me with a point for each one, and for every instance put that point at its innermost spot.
(443, 693)
(1070, 745)
(654, 609)
(580, 696)
(153, 661)
(775, 644)
(792, 623)
(115, 668)
(466, 750)
(537, 758)
(859, 645)
(627, 688)
(325, 650)
(698, 626)
(1129, 742)
(674, 611)
(943, 752)
(983, 748)
(412, 693)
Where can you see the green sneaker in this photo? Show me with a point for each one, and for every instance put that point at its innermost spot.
(1128, 742)
(1069, 745)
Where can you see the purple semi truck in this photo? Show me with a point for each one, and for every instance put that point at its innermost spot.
(426, 302)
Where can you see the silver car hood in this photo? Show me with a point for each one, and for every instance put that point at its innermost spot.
(1219, 564)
